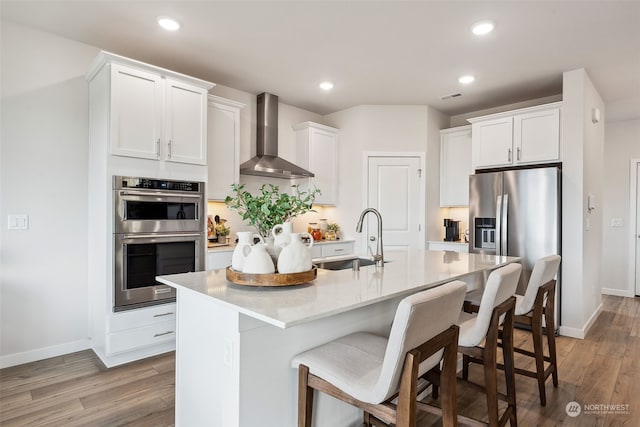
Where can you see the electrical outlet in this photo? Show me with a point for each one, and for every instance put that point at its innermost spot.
(616, 222)
(228, 352)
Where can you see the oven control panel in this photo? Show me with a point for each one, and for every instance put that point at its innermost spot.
(121, 182)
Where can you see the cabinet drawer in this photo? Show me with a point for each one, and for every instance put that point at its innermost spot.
(218, 259)
(142, 317)
(133, 339)
(337, 249)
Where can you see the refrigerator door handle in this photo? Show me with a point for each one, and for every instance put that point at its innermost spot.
(498, 233)
(505, 224)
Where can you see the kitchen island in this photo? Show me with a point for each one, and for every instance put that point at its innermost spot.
(235, 343)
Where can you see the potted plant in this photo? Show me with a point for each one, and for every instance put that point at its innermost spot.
(222, 231)
(270, 207)
(333, 231)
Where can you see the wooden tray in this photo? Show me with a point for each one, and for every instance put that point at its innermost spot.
(273, 279)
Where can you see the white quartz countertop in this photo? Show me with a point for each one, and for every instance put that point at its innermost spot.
(405, 272)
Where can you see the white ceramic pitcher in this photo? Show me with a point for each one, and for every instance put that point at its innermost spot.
(295, 256)
(257, 259)
(282, 234)
(244, 238)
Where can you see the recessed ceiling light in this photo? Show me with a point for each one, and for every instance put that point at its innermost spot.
(326, 85)
(167, 23)
(466, 79)
(483, 27)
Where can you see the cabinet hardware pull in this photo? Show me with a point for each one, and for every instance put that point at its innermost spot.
(509, 155)
(518, 154)
(169, 156)
(162, 333)
(338, 250)
(158, 148)
(163, 314)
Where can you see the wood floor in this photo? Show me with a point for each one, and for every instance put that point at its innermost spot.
(77, 390)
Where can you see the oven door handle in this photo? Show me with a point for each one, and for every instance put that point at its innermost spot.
(155, 236)
(160, 194)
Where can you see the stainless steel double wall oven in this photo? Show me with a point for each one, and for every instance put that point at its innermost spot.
(159, 229)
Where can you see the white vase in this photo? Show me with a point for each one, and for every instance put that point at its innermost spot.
(244, 238)
(282, 233)
(257, 260)
(272, 249)
(295, 256)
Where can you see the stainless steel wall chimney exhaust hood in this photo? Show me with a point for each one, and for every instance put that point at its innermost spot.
(266, 162)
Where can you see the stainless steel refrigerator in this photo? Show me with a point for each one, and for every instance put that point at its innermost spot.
(516, 213)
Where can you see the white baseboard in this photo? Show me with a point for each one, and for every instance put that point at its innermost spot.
(580, 333)
(43, 353)
(618, 292)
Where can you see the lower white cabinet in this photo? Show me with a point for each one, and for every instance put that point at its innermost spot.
(449, 246)
(136, 338)
(143, 327)
(332, 248)
(219, 259)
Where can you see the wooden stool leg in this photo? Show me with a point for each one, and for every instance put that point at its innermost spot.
(305, 397)
(465, 367)
(509, 368)
(491, 381)
(551, 341)
(538, 350)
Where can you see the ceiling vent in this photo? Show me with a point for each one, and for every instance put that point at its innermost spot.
(451, 95)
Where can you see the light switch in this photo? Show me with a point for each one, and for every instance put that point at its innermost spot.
(616, 222)
(18, 222)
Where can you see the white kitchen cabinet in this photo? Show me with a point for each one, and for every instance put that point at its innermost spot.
(154, 113)
(143, 327)
(143, 121)
(455, 166)
(520, 137)
(460, 247)
(223, 146)
(317, 151)
(536, 136)
(219, 258)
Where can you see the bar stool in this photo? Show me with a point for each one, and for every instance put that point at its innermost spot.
(369, 371)
(496, 307)
(536, 307)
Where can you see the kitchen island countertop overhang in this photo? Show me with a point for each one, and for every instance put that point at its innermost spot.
(406, 271)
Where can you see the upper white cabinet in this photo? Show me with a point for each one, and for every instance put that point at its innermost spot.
(317, 151)
(519, 137)
(455, 166)
(223, 151)
(153, 113)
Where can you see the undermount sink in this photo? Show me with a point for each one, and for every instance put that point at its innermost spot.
(344, 264)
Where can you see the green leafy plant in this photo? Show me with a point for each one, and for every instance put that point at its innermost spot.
(333, 227)
(222, 230)
(270, 207)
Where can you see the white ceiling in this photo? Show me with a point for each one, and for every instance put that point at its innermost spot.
(375, 52)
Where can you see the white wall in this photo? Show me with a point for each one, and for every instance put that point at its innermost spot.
(43, 270)
(622, 143)
(582, 174)
(400, 128)
(44, 171)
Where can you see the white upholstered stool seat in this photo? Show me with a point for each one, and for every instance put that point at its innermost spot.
(368, 371)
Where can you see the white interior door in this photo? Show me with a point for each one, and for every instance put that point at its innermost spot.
(395, 189)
